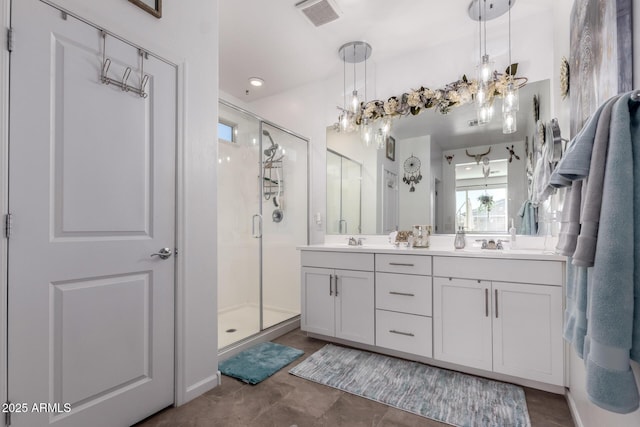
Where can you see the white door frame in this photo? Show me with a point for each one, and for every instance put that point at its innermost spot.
(4, 193)
(182, 395)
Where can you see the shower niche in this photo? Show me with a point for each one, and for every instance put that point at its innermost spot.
(262, 218)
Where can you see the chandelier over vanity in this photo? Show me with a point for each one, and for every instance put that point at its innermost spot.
(373, 118)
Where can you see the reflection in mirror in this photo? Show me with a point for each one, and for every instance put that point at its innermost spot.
(344, 177)
(444, 144)
(481, 196)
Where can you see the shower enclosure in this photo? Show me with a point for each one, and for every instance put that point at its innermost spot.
(262, 217)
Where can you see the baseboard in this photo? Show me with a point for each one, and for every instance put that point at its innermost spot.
(200, 388)
(573, 408)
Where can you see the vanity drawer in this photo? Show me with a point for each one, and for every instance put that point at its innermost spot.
(502, 270)
(406, 264)
(339, 260)
(404, 293)
(404, 332)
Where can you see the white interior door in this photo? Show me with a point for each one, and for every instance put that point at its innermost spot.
(92, 193)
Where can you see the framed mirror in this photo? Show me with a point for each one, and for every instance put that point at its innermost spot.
(453, 189)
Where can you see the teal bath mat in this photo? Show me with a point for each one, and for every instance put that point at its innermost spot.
(439, 394)
(259, 362)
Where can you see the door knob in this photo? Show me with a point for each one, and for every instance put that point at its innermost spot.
(163, 253)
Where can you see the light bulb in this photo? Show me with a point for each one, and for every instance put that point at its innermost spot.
(511, 99)
(386, 127)
(380, 140)
(485, 70)
(344, 121)
(485, 113)
(509, 122)
(366, 133)
(355, 102)
(481, 95)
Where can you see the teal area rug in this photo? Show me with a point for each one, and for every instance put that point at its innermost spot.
(446, 396)
(259, 362)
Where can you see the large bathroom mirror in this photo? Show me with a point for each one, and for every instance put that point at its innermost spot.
(472, 176)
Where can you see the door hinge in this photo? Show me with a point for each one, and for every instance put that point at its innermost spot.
(10, 39)
(7, 415)
(8, 218)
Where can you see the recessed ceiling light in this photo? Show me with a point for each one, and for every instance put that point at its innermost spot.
(256, 81)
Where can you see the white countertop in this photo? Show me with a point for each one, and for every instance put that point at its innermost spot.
(472, 252)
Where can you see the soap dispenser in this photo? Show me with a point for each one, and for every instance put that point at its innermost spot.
(512, 232)
(460, 240)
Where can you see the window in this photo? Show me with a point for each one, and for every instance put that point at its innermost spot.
(482, 196)
(227, 132)
(482, 209)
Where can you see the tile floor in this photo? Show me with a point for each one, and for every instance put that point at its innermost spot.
(284, 401)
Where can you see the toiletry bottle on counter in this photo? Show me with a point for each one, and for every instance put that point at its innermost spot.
(512, 232)
(460, 240)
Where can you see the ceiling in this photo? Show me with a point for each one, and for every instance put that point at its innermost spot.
(275, 41)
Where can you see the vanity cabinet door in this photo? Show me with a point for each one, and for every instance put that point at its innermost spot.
(318, 300)
(462, 322)
(527, 325)
(355, 311)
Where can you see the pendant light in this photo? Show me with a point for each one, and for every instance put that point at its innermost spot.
(484, 99)
(354, 53)
(511, 102)
(366, 127)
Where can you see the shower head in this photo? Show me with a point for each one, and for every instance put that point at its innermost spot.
(269, 152)
(268, 135)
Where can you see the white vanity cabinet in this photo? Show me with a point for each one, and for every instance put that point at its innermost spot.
(500, 315)
(338, 295)
(404, 303)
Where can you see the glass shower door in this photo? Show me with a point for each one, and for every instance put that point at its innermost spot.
(239, 202)
(285, 218)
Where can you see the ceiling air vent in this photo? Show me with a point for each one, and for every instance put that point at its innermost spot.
(319, 12)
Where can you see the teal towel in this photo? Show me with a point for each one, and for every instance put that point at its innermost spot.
(528, 223)
(585, 250)
(259, 362)
(614, 297)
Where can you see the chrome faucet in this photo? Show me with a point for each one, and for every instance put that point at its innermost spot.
(355, 242)
(492, 244)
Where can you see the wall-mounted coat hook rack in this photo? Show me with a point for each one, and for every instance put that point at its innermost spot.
(122, 84)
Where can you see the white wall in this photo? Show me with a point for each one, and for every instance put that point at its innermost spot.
(188, 37)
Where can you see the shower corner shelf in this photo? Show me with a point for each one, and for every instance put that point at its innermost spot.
(272, 181)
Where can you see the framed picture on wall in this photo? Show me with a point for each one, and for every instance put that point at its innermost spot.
(391, 148)
(153, 7)
(601, 55)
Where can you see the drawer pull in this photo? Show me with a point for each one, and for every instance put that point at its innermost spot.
(401, 293)
(407, 334)
(402, 264)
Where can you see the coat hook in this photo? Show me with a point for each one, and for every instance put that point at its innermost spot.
(105, 69)
(125, 77)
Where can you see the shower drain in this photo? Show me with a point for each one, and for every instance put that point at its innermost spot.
(231, 330)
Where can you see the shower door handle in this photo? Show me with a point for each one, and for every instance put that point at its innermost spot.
(253, 226)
